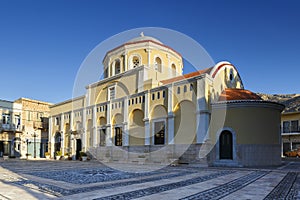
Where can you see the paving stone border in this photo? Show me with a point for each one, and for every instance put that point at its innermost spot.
(165, 187)
(227, 188)
(285, 189)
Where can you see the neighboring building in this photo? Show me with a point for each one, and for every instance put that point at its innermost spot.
(34, 123)
(145, 108)
(290, 119)
(290, 131)
(10, 128)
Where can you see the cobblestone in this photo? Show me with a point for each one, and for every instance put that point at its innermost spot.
(92, 180)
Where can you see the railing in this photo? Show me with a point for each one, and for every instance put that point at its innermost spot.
(290, 130)
(40, 125)
(10, 127)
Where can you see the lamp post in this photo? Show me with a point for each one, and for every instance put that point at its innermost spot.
(34, 144)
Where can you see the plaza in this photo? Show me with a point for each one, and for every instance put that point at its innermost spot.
(49, 179)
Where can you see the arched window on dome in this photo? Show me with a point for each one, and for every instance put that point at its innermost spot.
(158, 64)
(117, 67)
(106, 73)
(135, 62)
(173, 67)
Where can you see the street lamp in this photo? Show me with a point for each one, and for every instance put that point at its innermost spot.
(34, 144)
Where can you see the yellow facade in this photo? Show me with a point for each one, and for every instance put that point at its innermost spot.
(144, 106)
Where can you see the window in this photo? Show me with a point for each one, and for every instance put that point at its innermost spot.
(106, 73)
(112, 93)
(118, 136)
(56, 121)
(173, 67)
(191, 87)
(132, 101)
(178, 90)
(286, 126)
(159, 137)
(129, 102)
(157, 64)
(164, 94)
(135, 62)
(143, 99)
(158, 95)
(231, 75)
(153, 96)
(117, 67)
(184, 88)
(294, 126)
(5, 118)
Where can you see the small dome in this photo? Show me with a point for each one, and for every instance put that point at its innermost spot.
(230, 94)
(142, 37)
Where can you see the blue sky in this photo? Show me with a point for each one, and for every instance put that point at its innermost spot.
(43, 43)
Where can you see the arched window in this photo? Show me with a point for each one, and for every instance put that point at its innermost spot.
(135, 62)
(158, 64)
(184, 89)
(173, 67)
(117, 67)
(178, 90)
(158, 95)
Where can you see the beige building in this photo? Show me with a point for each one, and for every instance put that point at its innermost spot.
(290, 130)
(10, 128)
(24, 128)
(34, 123)
(144, 108)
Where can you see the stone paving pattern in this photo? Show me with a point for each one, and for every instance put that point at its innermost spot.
(48, 179)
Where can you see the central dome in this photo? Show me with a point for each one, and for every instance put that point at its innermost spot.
(142, 37)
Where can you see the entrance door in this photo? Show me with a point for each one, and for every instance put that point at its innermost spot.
(102, 137)
(226, 146)
(159, 137)
(118, 136)
(78, 148)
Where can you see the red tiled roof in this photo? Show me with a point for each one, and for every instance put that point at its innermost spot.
(238, 94)
(186, 76)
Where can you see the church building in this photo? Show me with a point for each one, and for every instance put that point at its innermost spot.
(146, 110)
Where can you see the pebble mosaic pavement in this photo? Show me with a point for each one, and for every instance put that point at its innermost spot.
(44, 179)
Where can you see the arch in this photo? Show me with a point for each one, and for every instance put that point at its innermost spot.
(226, 145)
(102, 121)
(57, 142)
(222, 134)
(158, 64)
(137, 127)
(185, 122)
(117, 119)
(159, 111)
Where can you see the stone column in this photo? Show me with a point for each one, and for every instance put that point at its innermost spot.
(62, 132)
(50, 143)
(146, 119)
(108, 129)
(84, 139)
(170, 116)
(95, 135)
(202, 113)
(72, 136)
(125, 124)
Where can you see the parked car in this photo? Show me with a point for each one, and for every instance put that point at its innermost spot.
(293, 153)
